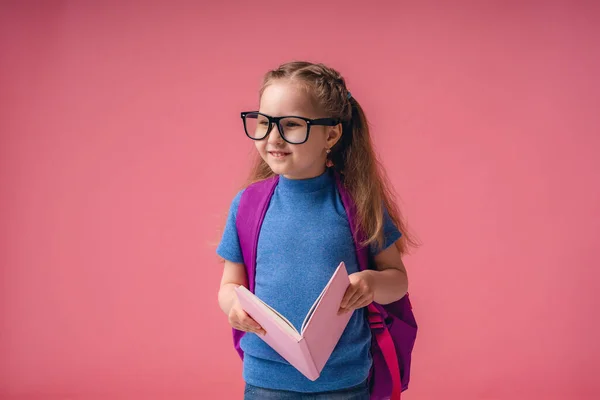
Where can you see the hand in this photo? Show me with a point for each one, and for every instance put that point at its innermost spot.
(240, 320)
(360, 293)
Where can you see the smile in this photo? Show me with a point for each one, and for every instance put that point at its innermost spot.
(278, 154)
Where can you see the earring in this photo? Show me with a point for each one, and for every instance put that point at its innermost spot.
(328, 163)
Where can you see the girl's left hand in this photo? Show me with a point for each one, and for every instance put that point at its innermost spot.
(360, 293)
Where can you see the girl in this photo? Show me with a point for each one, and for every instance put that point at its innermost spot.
(308, 128)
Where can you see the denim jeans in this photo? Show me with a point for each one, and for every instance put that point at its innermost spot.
(360, 392)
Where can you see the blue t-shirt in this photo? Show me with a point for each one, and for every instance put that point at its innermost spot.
(304, 236)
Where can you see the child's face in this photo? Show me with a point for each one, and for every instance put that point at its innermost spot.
(294, 161)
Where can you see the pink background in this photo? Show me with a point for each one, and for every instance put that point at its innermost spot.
(121, 147)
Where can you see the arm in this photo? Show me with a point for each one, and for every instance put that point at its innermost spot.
(390, 281)
(234, 275)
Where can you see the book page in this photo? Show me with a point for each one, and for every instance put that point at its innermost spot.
(275, 315)
(279, 315)
(325, 327)
(316, 303)
(312, 309)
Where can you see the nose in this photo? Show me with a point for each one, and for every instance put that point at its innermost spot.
(275, 135)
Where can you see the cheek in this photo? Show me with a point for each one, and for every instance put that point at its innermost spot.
(310, 151)
(260, 145)
(317, 138)
(316, 143)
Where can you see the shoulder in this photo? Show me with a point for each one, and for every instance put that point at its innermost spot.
(259, 190)
(264, 184)
(254, 189)
(235, 203)
(238, 196)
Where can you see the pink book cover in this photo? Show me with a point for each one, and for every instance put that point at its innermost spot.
(309, 349)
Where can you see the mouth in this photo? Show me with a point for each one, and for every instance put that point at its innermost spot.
(279, 155)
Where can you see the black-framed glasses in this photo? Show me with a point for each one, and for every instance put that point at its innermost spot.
(293, 129)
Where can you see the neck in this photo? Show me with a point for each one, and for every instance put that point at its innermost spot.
(306, 185)
(306, 175)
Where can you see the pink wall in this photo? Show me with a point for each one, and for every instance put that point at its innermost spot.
(121, 147)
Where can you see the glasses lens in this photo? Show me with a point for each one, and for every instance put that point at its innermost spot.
(294, 129)
(256, 125)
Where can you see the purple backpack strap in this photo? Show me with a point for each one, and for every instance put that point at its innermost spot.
(394, 327)
(250, 214)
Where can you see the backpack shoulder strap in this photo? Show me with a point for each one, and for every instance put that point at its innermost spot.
(361, 251)
(376, 314)
(251, 211)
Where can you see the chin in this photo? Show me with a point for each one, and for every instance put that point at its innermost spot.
(278, 169)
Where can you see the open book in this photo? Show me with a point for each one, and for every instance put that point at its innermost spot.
(309, 349)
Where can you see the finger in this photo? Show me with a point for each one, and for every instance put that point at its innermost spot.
(344, 307)
(361, 302)
(247, 328)
(261, 331)
(352, 302)
(250, 323)
(348, 295)
(240, 320)
(252, 326)
(258, 331)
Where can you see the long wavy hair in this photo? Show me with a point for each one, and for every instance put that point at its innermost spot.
(353, 156)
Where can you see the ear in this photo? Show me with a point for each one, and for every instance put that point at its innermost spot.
(334, 133)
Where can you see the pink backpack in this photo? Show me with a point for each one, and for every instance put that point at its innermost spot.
(393, 325)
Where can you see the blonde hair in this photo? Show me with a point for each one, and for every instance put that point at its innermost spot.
(353, 156)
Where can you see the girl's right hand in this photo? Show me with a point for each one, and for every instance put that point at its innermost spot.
(240, 320)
